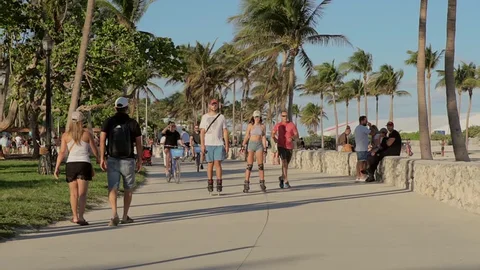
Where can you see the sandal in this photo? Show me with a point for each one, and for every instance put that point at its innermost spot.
(83, 223)
(128, 220)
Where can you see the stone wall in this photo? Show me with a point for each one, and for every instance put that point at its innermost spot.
(455, 183)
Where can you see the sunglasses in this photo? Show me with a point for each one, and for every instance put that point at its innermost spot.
(213, 104)
(284, 115)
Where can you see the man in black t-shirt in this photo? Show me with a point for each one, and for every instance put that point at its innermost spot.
(195, 140)
(390, 146)
(122, 133)
(172, 140)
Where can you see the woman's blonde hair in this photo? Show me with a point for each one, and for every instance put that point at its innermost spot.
(75, 129)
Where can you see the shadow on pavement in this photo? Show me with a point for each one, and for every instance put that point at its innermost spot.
(200, 213)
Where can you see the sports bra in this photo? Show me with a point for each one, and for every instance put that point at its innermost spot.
(257, 130)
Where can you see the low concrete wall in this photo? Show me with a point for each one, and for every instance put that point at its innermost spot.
(455, 183)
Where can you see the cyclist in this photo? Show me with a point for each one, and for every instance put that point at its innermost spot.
(172, 140)
(195, 142)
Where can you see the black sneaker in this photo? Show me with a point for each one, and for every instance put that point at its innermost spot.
(280, 179)
(370, 179)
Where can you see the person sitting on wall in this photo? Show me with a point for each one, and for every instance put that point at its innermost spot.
(389, 146)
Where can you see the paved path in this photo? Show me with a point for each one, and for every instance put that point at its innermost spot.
(324, 222)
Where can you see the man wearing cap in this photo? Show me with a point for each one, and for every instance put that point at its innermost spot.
(122, 133)
(390, 146)
(284, 134)
(214, 142)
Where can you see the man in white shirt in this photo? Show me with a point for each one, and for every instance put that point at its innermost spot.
(214, 142)
(361, 146)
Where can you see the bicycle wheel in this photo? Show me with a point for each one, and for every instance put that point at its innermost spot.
(177, 172)
(170, 173)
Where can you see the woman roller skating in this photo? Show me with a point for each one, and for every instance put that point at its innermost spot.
(257, 141)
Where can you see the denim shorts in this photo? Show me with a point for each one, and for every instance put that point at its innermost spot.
(215, 153)
(255, 146)
(362, 155)
(120, 168)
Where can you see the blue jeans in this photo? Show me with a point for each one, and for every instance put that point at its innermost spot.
(120, 168)
(215, 153)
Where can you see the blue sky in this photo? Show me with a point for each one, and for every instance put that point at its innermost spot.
(385, 28)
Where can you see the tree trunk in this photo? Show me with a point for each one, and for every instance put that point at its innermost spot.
(458, 140)
(346, 113)
(291, 86)
(4, 90)
(35, 134)
(429, 77)
(358, 106)
(233, 109)
(391, 108)
(423, 121)
(376, 110)
(321, 122)
(460, 91)
(82, 57)
(137, 105)
(365, 93)
(336, 117)
(8, 121)
(470, 94)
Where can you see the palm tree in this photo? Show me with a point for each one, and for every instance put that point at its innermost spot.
(285, 26)
(458, 141)
(360, 62)
(128, 12)
(375, 92)
(82, 57)
(388, 80)
(432, 59)
(424, 118)
(471, 82)
(346, 94)
(311, 115)
(330, 78)
(296, 111)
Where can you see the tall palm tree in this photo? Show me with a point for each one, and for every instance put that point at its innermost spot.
(458, 141)
(330, 78)
(424, 118)
(128, 12)
(375, 92)
(388, 80)
(296, 111)
(82, 57)
(286, 26)
(471, 82)
(360, 62)
(432, 59)
(346, 94)
(311, 115)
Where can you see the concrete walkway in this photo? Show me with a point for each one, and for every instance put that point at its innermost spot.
(324, 222)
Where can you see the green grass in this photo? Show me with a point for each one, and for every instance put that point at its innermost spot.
(29, 200)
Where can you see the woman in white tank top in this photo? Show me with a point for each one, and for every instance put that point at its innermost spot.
(78, 143)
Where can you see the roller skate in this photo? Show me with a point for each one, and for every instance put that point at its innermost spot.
(219, 186)
(262, 186)
(246, 186)
(210, 186)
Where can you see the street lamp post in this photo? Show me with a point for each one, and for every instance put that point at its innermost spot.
(47, 43)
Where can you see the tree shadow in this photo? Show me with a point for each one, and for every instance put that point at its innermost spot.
(199, 213)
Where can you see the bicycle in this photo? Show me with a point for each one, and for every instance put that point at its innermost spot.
(176, 154)
(198, 151)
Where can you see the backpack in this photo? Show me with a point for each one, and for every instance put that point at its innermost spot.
(119, 141)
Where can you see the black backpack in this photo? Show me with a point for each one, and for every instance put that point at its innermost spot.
(119, 141)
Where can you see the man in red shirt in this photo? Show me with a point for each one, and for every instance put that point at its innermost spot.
(284, 134)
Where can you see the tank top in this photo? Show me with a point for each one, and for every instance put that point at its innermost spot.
(257, 130)
(78, 152)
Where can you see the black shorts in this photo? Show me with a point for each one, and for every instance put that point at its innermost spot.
(285, 154)
(79, 170)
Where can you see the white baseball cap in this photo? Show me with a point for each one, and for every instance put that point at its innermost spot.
(77, 116)
(121, 102)
(257, 114)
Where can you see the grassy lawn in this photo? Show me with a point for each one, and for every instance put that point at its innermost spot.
(29, 200)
